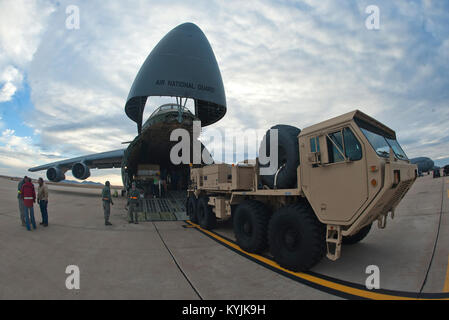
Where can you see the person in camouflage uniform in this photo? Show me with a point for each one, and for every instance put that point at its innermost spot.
(133, 203)
(107, 201)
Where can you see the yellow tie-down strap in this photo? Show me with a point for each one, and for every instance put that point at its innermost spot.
(323, 283)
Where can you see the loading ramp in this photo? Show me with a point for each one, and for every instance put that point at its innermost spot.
(169, 208)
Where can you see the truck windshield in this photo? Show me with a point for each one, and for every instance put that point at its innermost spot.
(397, 149)
(380, 141)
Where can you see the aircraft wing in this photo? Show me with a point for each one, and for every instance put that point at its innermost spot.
(104, 160)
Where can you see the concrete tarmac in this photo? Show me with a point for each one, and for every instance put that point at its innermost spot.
(165, 260)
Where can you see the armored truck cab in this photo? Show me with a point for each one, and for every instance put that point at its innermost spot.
(349, 173)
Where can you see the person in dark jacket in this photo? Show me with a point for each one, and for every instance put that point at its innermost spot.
(28, 195)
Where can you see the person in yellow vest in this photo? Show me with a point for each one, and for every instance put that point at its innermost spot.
(107, 201)
(133, 203)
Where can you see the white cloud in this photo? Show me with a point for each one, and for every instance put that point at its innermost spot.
(7, 91)
(18, 153)
(11, 79)
(21, 25)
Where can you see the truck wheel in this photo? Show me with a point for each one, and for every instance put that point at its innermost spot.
(296, 237)
(206, 217)
(359, 236)
(288, 156)
(191, 205)
(250, 222)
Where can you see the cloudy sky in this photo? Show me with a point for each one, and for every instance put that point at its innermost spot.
(62, 91)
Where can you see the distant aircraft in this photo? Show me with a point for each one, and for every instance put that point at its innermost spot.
(424, 164)
(182, 65)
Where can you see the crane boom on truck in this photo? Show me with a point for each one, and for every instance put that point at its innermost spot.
(334, 179)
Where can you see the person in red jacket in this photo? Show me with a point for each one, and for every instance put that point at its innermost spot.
(28, 195)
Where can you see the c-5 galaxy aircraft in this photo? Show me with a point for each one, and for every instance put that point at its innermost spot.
(182, 65)
(424, 164)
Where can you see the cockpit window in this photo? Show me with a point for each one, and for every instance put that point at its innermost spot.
(381, 141)
(168, 107)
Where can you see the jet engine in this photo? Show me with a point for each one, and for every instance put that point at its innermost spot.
(80, 171)
(55, 174)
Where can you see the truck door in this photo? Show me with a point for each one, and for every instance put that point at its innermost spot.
(338, 175)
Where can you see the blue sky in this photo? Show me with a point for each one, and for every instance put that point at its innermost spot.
(62, 92)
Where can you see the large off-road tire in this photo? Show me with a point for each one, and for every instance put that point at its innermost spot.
(296, 237)
(191, 205)
(288, 155)
(250, 222)
(206, 217)
(359, 236)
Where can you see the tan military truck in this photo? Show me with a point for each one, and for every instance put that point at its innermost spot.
(334, 179)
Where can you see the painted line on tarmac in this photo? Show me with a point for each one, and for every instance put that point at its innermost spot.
(446, 283)
(337, 287)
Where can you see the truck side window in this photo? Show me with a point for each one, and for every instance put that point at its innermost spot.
(353, 149)
(337, 140)
(314, 144)
(343, 145)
